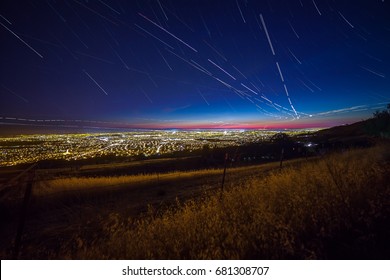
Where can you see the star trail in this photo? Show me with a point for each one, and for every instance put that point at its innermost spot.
(196, 63)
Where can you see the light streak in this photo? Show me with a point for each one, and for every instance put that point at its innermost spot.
(96, 83)
(280, 72)
(150, 78)
(162, 9)
(309, 88)
(289, 101)
(294, 56)
(315, 5)
(56, 12)
(242, 16)
(147, 96)
(31, 48)
(200, 66)
(95, 12)
(249, 89)
(6, 19)
(191, 64)
(166, 62)
(350, 109)
(108, 6)
(373, 72)
(214, 49)
(163, 29)
(94, 57)
(346, 20)
(296, 34)
(205, 26)
(239, 72)
(266, 33)
(77, 36)
(17, 95)
(112, 37)
(169, 46)
(203, 97)
(220, 68)
(120, 58)
(255, 86)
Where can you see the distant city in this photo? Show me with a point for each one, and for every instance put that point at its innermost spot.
(25, 149)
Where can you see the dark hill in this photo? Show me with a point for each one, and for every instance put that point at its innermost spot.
(357, 129)
(359, 134)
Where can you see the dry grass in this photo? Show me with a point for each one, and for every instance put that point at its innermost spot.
(336, 207)
(77, 183)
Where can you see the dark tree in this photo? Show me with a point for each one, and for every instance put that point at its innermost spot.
(379, 125)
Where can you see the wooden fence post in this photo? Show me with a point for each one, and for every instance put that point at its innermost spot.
(281, 158)
(224, 171)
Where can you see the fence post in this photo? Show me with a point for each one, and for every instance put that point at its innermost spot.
(281, 158)
(23, 214)
(224, 171)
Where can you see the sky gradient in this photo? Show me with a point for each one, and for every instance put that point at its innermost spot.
(194, 64)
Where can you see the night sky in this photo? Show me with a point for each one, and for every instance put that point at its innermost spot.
(194, 64)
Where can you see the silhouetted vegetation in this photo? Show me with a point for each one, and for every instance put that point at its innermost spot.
(379, 125)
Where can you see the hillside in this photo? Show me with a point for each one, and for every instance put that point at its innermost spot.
(357, 134)
(349, 130)
(336, 207)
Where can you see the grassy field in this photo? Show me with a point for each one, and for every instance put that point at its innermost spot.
(63, 204)
(68, 184)
(336, 207)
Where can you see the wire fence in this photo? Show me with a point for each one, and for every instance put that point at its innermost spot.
(22, 188)
(27, 185)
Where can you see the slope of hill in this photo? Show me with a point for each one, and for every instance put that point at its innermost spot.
(378, 125)
(350, 130)
(336, 207)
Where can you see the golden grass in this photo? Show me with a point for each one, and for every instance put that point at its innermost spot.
(336, 207)
(82, 183)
